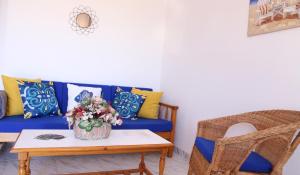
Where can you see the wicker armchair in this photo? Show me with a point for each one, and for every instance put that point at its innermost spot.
(275, 140)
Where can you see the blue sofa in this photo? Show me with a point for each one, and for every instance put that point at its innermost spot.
(11, 126)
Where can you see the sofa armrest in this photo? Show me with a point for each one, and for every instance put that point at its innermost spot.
(168, 112)
(3, 101)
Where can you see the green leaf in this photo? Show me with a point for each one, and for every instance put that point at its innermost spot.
(98, 123)
(89, 128)
(83, 124)
(85, 102)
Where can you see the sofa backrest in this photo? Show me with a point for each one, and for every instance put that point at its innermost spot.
(108, 92)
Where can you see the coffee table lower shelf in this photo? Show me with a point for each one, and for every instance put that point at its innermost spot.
(142, 169)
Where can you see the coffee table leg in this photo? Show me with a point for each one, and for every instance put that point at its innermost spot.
(22, 157)
(162, 161)
(28, 171)
(142, 164)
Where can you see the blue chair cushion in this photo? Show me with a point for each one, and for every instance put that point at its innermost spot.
(154, 125)
(15, 124)
(255, 163)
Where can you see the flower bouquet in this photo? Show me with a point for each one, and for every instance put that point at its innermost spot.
(92, 118)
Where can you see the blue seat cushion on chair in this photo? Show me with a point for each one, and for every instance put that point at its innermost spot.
(255, 163)
(154, 125)
(15, 124)
(206, 147)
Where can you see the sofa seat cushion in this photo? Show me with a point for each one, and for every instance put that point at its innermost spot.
(154, 125)
(16, 124)
(255, 163)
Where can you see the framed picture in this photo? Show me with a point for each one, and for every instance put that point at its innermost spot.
(267, 16)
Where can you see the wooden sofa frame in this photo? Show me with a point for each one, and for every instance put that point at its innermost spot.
(167, 112)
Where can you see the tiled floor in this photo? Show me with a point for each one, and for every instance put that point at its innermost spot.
(72, 164)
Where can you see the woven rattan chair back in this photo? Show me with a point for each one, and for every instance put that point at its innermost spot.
(274, 140)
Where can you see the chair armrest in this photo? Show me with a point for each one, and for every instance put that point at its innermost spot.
(3, 102)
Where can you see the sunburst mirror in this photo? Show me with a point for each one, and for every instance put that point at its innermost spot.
(83, 20)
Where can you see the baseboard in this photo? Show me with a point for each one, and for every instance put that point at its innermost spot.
(184, 155)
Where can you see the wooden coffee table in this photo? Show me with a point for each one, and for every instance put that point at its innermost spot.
(119, 142)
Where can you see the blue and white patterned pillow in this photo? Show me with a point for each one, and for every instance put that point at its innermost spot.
(78, 93)
(83, 95)
(127, 104)
(38, 99)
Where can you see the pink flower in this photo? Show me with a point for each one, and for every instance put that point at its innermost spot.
(97, 100)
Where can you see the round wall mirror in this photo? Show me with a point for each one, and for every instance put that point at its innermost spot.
(83, 20)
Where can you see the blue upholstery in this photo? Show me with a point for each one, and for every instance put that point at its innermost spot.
(255, 163)
(15, 124)
(155, 125)
(206, 147)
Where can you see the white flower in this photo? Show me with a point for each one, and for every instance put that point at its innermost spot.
(119, 122)
(85, 117)
(70, 121)
(108, 117)
(113, 121)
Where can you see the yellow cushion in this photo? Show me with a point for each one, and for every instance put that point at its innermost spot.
(150, 107)
(14, 101)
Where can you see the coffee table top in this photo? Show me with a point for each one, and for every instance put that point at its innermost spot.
(117, 138)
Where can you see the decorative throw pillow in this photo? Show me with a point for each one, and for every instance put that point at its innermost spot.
(38, 99)
(150, 107)
(3, 101)
(77, 93)
(127, 104)
(14, 102)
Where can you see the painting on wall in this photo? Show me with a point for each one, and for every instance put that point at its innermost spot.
(267, 16)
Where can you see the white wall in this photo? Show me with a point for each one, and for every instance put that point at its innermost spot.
(212, 69)
(2, 27)
(126, 48)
